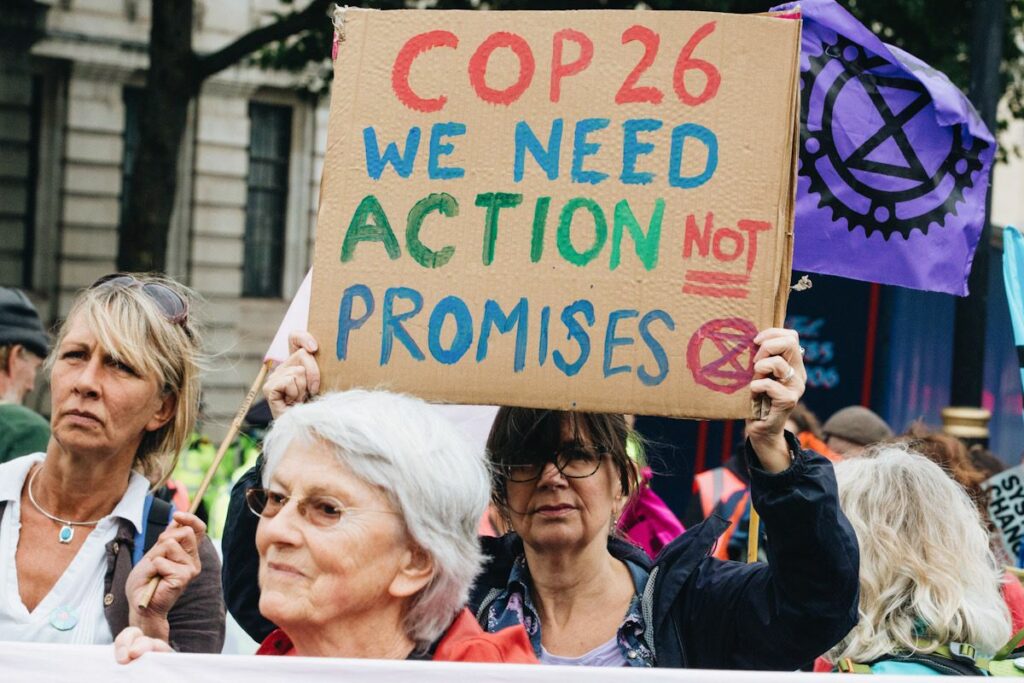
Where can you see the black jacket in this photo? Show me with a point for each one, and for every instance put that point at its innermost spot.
(705, 613)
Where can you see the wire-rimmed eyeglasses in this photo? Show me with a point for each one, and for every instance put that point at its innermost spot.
(321, 511)
(573, 462)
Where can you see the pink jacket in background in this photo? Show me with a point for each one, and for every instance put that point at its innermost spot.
(647, 521)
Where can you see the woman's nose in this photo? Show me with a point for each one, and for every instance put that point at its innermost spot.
(550, 475)
(286, 526)
(87, 381)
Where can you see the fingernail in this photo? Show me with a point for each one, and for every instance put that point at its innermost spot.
(120, 654)
(312, 347)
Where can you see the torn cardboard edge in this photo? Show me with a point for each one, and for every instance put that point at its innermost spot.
(761, 407)
(784, 215)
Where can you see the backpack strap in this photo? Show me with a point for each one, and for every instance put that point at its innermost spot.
(948, 661)
(848, 666)
(1011, 645)
(949, 666)
(157, 513)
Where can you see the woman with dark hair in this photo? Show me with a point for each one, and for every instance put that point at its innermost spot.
(587, 597)
(985, 461)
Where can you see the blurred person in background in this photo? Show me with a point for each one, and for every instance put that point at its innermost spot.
(930, 598)
(242, 456)
(950, 453)
(807, 427)
(725, 490)
(850, 430)
(23, 346)
(986, 461)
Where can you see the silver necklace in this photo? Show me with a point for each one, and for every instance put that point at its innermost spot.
(67, 529)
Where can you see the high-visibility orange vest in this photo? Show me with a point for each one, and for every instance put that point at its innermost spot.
(809, 442)
(719, 486)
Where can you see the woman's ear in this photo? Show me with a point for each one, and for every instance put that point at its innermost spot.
(164, 413)
(618, 505)
(414, 573)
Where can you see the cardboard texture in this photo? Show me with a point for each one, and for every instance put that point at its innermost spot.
(584, 210)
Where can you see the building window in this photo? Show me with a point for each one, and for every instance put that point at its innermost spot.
(19, 155)
(132, 117)
(35, 134)
(270, 129)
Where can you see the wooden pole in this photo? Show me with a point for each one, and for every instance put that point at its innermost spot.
(754, 530)
(236, 425)
(762, 406)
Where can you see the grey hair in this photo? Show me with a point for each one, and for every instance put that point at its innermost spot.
(430, 472)
(927, 575)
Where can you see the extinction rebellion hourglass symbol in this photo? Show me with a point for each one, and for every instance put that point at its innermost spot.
(887, 181)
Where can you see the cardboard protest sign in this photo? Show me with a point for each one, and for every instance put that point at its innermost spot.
(1006, 506)
(586, 210)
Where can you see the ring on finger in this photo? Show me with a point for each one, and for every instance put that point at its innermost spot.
(788, 376)
(802, 351)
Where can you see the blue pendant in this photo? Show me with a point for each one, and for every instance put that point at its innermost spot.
(63, 618)
(66, 533)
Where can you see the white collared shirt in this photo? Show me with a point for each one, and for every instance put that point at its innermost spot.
(72, 612)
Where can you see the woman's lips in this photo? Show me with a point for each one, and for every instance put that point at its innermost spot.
(285, 569)
(82, 417)
(554, 510)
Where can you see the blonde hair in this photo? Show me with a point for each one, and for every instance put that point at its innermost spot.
(927, 575)
(132, 328)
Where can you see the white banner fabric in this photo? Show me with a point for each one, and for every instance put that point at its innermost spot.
(42, 663)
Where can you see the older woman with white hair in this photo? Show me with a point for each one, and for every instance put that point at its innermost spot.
(367, 541)
(930, 596)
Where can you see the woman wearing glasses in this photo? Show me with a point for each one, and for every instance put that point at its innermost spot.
(124, 387)
(366, 537)
(586, 597)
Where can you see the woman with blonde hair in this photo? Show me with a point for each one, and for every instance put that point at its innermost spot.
(124, 387)
(929, 585)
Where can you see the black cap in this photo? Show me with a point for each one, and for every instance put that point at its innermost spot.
(20, 323)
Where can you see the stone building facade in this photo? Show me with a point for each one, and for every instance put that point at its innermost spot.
(248, 176)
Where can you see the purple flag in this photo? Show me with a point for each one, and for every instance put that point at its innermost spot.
(894, 161)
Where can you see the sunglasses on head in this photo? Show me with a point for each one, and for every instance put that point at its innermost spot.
(172, 305)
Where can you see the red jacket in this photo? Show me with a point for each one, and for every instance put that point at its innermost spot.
(464, 641)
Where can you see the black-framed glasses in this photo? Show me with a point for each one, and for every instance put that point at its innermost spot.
(321, 511)
(172, 305)
(573, 462)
